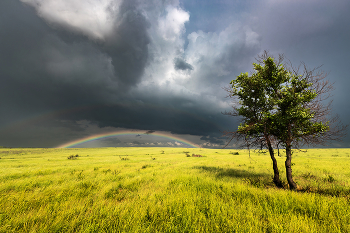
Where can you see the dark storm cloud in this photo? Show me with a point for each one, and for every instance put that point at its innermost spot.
(180, 64)
(213, 140)
(137, 143)
(153, 117)
(128, 44)
(318, 34)
(150, 131)
(22, 78)
(46, 69)
(119, 77)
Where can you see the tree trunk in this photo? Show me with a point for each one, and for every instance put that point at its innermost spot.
(276, 174)
(288, 163)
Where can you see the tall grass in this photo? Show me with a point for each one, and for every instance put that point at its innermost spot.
(165, 190)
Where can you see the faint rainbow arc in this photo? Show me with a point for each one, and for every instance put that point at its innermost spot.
(122, 133)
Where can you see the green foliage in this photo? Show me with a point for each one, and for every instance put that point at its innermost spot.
(274, 99)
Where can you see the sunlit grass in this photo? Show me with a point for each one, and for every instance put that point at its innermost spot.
(168, 190)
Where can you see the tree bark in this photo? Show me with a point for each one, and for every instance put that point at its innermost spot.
(276, 174)
(288, 163)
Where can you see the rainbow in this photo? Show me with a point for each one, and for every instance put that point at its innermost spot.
(123, 133)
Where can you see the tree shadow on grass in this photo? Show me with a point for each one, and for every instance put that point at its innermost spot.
(337, 191)
(263, 180)
(252, 178)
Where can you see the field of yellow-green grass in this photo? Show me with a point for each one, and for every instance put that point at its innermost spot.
(169, 190)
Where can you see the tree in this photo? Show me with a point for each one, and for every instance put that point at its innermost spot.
(256, 103)
(280, 105)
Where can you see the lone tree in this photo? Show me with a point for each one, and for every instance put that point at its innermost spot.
(281, 105)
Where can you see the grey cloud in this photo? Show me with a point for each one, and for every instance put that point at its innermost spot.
(150, 131)
(128, 44)
(213, 140)
(47, 68)
(71, 77)
(219, 57)
(180, 64)
(153, 117)
(137, 143)
(318, 34)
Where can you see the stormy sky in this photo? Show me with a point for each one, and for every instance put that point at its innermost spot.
(70, 69)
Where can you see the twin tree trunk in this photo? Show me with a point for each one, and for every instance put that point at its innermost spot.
(288, 163)
(276, 174)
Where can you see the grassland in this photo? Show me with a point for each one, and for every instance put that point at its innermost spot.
(163, 190)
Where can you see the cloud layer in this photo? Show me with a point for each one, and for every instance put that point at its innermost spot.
(149, 65)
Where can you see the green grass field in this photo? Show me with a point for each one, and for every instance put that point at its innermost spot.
(163, 190)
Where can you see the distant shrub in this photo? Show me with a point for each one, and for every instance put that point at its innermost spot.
(122, 158)
(234, 153)
(73, 156)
